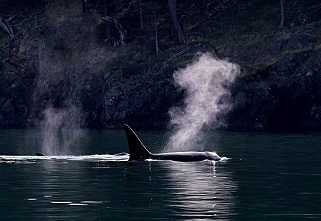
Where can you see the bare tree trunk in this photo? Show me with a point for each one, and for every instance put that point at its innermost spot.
(141, 15)
(177, 27)
(203, 7)
(5, 25)
(85, 6)
(156, 33)
(282, 14)
(107, 25)
(120, 28)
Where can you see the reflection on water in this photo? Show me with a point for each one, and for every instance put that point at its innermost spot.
(198, 191)
(176, 190)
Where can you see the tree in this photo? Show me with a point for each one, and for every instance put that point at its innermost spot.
(85, 6)
(120, 40)
(203, 7)
(177, 27)
(141, 15)
(107, 25)
(282, 14)
(5, 25)
(156, 33)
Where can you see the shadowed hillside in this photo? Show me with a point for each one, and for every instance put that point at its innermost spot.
(108, 62)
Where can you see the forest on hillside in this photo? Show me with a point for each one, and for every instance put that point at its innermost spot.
(126, 21)
(99, 63)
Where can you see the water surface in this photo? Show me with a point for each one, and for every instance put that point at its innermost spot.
(268, 177)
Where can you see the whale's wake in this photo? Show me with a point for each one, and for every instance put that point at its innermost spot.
(87, 158)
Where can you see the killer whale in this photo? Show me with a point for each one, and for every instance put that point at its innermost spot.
(138, 152)
(40, 154)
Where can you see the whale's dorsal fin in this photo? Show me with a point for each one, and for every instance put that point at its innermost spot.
(137, 150)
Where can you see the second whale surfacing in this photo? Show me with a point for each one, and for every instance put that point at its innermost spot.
(138, 152)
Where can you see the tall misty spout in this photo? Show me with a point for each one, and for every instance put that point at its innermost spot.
(57, 85)
(61, 134)
(206, 82)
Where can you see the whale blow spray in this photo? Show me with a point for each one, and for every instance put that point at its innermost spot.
(61, 134)
(206, 82)
(57, 86)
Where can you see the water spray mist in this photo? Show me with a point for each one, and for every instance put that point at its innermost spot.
(206, 82)
(61, 134)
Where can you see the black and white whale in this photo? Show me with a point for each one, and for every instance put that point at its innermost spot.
(138, 152)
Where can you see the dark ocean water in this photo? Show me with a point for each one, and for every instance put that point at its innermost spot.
(268, 177)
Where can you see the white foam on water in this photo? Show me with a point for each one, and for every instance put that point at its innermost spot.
(77, 204)
(61, 202)
(87, 158)
(91, 202)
